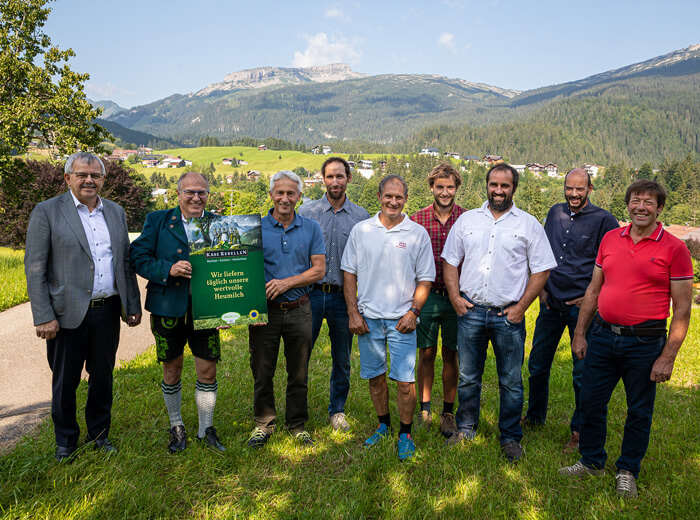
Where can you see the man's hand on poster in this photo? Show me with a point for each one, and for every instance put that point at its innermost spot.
(181, 268)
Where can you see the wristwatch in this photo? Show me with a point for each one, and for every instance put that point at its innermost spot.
(415, 311)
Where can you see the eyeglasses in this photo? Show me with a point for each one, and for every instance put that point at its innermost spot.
(203, 194)
(84, 175)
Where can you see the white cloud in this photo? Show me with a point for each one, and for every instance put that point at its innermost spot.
(334, 12)
(322, 50)
(105, 90)
(447, 41)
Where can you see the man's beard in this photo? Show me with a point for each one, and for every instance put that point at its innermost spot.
(502, 204)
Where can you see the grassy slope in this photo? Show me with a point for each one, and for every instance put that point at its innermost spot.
(338, 478)
(266, 162)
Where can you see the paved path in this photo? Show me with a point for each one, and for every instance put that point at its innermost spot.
(25, 377)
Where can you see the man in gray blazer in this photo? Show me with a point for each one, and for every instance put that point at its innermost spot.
(80, 283)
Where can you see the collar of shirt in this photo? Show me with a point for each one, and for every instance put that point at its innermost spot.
(655, 236)
(327, 206)
(79, 204)
(274, 222)
(512, 211)
(185, 219)
(401, 226)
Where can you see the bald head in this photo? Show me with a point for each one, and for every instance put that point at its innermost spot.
(577, 186)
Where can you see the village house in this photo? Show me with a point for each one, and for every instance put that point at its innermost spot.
(316, 178)
(351, 164)
(382, 166)
(520, 168)
(451, 155)
(551, 169)
(172, 162)
(433, 152)
(534, 167)
(470, 158)
(326, 150)
(315, 150)
(253, 175)
(142, 150)
(227, 162)
(492, 159)
(591, 169)
(150, 163)
(262, 147)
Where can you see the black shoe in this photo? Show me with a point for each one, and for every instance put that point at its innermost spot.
(65, 452)
(178, 438)
(211, 439)
(513, 451)
(106, 446)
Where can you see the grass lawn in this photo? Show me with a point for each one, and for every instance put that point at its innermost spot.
(267, 161)
(13, 285)
(338, 478)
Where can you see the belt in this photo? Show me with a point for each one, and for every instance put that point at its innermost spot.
(101, 302)
(441, 292)
(287, 306)
(328, 287)
(488, 308)
(650, 328)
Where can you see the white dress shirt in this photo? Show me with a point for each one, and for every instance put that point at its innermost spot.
(100, 243)
(498, 254)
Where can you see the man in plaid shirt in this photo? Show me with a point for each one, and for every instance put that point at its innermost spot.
(437, 219)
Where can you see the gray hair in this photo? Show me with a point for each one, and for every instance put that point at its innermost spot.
(184, 175)
(390, 178)
(83, 157)
(290, 175)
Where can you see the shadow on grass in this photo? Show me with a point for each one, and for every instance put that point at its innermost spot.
(338, 477)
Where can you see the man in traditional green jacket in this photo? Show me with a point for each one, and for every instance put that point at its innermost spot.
(161, 256)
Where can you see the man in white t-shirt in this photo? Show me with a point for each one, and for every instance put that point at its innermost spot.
(506, 258)
(388, 269)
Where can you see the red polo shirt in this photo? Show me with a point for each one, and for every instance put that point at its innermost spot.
(637, 284)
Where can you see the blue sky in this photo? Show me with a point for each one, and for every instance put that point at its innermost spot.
(141, 51)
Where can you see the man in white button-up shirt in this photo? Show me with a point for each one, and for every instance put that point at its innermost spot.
(506, 259)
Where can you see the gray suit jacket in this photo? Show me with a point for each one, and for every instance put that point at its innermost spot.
(59, 265)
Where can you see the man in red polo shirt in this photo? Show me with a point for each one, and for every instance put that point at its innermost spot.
(437, 313)
(639, 270)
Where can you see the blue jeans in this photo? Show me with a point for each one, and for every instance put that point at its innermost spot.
(331, 306)
(548, 331)
(476, 328)
(610, 358)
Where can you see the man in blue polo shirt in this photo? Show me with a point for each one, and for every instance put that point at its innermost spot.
(294, 255)
(574, 229)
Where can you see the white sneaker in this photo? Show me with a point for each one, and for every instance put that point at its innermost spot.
(579, 470)
(338, 422)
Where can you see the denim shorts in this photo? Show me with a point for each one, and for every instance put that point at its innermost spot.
(373, 348)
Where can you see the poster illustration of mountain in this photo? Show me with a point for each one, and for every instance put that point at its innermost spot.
(228, 278)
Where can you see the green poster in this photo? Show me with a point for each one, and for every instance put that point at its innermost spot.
(228, 277)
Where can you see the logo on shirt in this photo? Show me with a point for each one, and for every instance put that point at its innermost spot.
(401, 245)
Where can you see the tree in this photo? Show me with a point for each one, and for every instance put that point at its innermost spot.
(33, 181)
(40, 96)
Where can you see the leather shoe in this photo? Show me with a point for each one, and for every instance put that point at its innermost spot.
(211, 439)
(572, 445)
(178, 438)
(106, 446)
(65, 452)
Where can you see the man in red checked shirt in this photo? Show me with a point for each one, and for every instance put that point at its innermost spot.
(639, 270)
(438, 312)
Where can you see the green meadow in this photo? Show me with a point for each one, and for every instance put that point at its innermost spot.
(13, 285)
(267, 161)
(338, 477)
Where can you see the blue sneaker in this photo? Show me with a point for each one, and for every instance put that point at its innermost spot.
(379, 435)
(406, 447)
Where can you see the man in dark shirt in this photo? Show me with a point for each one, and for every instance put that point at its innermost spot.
(574, 229)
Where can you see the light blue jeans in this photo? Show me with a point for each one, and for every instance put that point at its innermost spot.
(373, 346)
